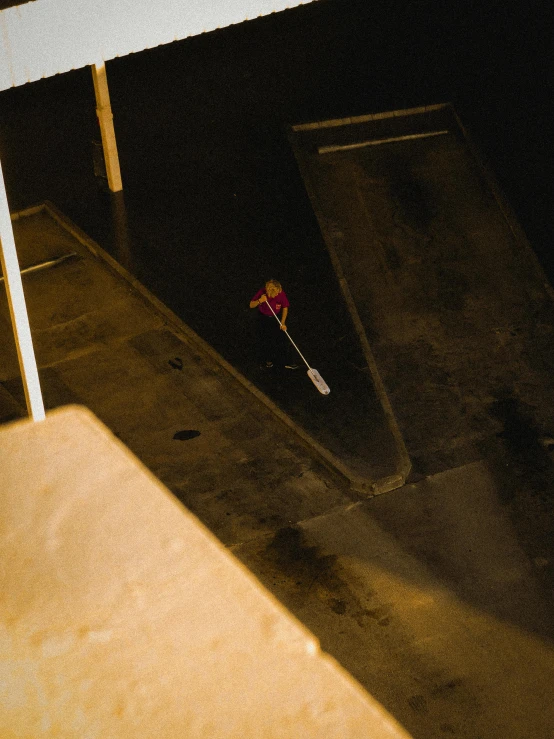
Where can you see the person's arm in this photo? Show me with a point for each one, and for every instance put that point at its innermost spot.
(261, 299)
(284, 319)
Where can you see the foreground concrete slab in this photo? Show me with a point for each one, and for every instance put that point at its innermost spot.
(121, 614)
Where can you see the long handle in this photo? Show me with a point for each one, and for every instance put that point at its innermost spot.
(287, 333)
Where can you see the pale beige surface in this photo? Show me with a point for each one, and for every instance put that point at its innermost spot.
(122, 616)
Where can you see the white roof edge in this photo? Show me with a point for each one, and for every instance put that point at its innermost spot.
(48, 37)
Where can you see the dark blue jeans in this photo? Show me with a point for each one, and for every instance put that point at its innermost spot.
(271, 340)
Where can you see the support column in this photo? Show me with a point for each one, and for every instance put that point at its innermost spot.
(120, 231)
(105, 119)
(18, 310)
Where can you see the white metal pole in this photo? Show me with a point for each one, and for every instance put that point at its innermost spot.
(18, 310)
(105, 119)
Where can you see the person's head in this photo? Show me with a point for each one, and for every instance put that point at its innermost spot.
(273, 288)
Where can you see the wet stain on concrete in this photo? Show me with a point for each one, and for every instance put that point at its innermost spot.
(528, 456)
(186, 434)
(414, 202)
(311, 573)
(418, 704)
(176, 363)
(446, 688)
(392, 255)
(451, 695)
(379, 615)
(452, 289)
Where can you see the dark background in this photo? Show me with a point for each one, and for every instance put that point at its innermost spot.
(215, 203)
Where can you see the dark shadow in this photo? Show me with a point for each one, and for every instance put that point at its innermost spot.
(414, 201)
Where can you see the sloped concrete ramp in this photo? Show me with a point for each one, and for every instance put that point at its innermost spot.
(445, 291)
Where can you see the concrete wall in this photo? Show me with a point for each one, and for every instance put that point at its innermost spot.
(122, 616)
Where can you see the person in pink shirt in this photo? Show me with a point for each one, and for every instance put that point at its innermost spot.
(271, 339)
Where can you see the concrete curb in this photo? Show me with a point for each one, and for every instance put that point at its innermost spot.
(334, 122)
(26, 212)
(359, 484)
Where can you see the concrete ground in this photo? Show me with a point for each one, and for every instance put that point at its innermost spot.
(436, 596)
(427, 596)
(100, 343)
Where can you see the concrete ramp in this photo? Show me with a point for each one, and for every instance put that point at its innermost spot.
(441, 283)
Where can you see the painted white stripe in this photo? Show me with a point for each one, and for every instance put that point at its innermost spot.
(377, 142)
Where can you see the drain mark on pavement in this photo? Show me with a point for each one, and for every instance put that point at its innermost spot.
(186, 434)
(313, 573)
(176, 363)
(418, 703)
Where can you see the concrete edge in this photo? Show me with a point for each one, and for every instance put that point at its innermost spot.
(26, 212)
(404, 466)
(335, 122)
(502, 201)
(359, 484)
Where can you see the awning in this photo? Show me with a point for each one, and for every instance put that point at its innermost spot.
(42, 38)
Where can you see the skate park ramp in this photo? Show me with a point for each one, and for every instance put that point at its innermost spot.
(446, 294)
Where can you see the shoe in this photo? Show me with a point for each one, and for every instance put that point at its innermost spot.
(291, 366)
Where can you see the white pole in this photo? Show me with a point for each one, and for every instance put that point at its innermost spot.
(105, 119)
(18, 310)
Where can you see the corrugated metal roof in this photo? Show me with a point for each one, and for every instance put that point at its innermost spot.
(42, 38)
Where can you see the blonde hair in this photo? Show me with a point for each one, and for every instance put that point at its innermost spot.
(275, 283)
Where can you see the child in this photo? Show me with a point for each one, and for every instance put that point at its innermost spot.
(271, 340)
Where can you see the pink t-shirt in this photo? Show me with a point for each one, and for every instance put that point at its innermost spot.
(277, 303)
